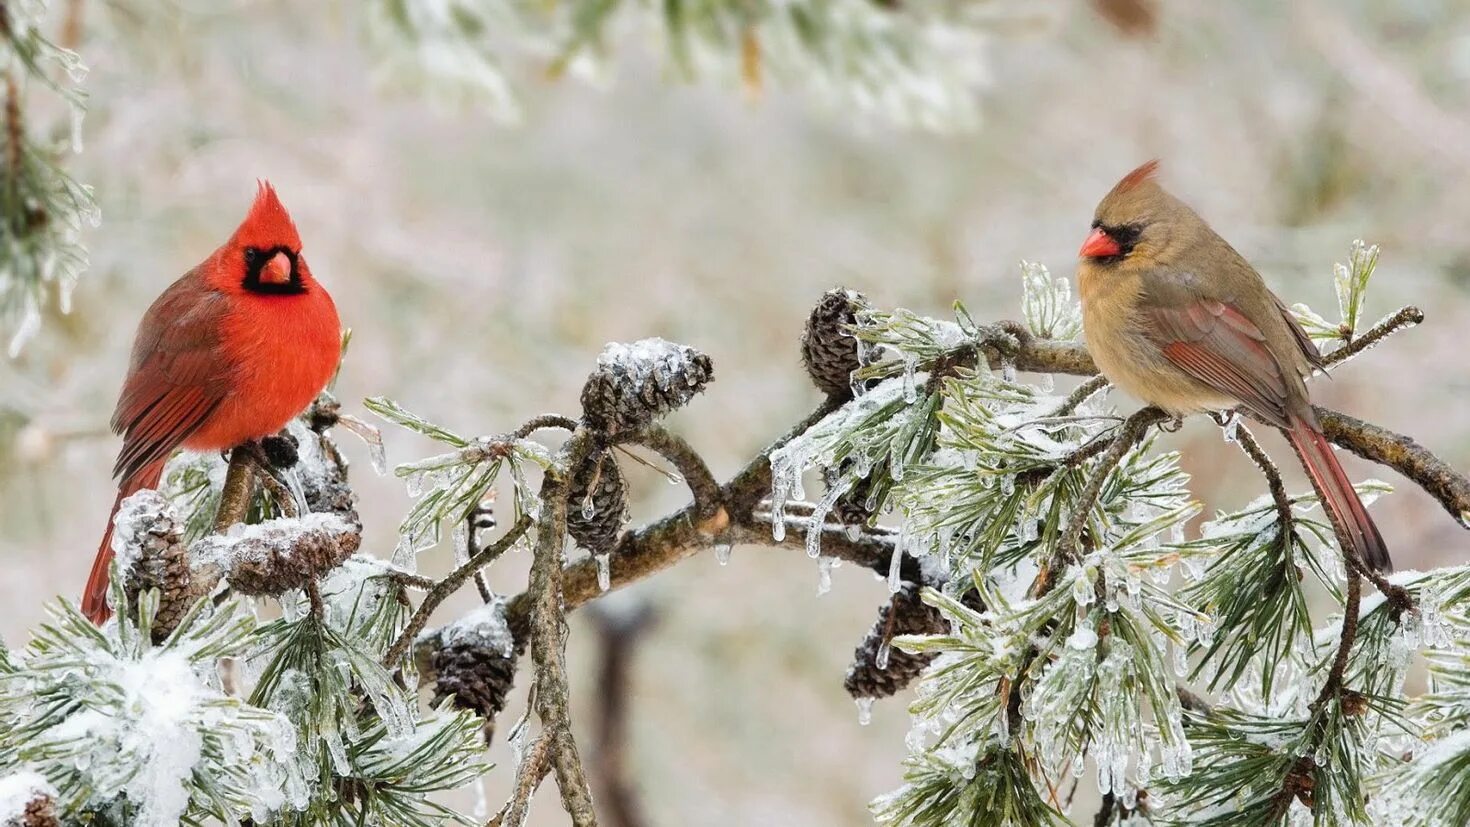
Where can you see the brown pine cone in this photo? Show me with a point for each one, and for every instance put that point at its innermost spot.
(276, 556)
(852, 507)
(598, 530)
(828, 350)
(905, 614)
(636, 384)
(476, 677)
(40, 812)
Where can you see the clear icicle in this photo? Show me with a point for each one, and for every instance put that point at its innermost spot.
(895, 568)
(604, 571)
(463, 538)
(885, 651)
(589, 507)
(910, 386)
(722, 553)
(865, 711)
(1231, 428)
(824, 575)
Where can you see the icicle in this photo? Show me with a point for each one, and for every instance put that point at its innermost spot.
(1231, 428)
(604, 571)
(1008, 370)
(910, 386)
(895, 567)
(885, 651)
(462, 540)
(589, 507)
(722, 553)
(1047, 384)
(865, 711)
(824, 575)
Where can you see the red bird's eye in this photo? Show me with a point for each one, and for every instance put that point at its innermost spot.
(1100, 245)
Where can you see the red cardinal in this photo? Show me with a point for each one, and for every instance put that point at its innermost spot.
(1179, 319)
(229, 353)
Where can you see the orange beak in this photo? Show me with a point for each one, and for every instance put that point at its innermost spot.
(1099, 245)
(277, 270)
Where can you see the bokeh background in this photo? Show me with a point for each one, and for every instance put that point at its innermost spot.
(482, 265)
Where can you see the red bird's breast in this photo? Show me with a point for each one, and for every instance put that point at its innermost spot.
(282, 351)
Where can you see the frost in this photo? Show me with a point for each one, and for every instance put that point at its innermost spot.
(1047, 305)
(252, 543)
(1083, 638)
(483, 628)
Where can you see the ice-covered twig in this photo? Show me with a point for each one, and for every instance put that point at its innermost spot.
(1081, 394)
(448, 586)
(1402, 454)
(1252, 449)
(1129, 434)
(691, 466)
(1406, 317)
(547, 616)
(531, 771)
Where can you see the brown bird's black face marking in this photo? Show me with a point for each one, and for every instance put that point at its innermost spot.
(256, 261)
(1111, 243)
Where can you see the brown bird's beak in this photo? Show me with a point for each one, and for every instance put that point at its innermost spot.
(1099, 245)
(277, 270)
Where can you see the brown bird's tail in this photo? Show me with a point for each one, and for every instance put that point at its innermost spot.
(94, 597)
(1338, 495)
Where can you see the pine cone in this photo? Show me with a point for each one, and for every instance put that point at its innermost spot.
(909, 616)
(476, 677)
(597, 532)
(40, 812)
(636, 384)
(852, 507)
(156, 557)
(277, 556)
(829, 351)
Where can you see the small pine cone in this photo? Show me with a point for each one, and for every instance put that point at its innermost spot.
(156, 556)
(829, 351)
(905, 614)
(636, 384)
(477, 677)
(276, 556)
(40, 812)
(598, 530)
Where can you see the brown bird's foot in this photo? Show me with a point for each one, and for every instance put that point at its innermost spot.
(1172, 426)
(274, 456)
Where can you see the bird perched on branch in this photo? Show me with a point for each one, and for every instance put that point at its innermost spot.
(1176, 317)
(229, 353)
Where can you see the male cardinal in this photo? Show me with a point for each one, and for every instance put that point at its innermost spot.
(229, 353)
(1176, 317)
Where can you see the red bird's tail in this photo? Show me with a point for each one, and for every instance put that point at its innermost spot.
(1338, 495)
(94, 597)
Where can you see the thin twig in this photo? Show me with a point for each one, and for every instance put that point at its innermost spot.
(1345, 642)
(1080, 394)
(530, 772)
(449, 585)
(547, 643)
(672, 447)
(1402, 454)
(1247, 442)
(1406, 317)
(543, 421)
(1132, 431)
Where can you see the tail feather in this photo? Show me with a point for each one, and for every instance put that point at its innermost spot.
(94, 596)
(1338, 494)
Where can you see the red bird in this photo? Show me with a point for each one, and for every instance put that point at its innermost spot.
(229, 353)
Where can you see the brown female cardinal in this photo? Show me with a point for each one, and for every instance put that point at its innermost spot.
(1174, 316)
(229, 353)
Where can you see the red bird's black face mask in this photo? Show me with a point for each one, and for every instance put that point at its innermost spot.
(273, 272)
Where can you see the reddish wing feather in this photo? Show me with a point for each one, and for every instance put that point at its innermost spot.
(1216, 344)
(177, 378)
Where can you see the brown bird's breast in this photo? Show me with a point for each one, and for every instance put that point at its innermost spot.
(1118, 343)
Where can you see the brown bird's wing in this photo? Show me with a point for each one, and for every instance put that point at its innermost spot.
(1216, 344)
(1304, 342)
(177, 377)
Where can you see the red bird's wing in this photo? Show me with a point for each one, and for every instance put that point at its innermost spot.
(178, 375)
(1216, 344)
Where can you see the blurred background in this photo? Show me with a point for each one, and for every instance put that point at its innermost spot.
(482, 264)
